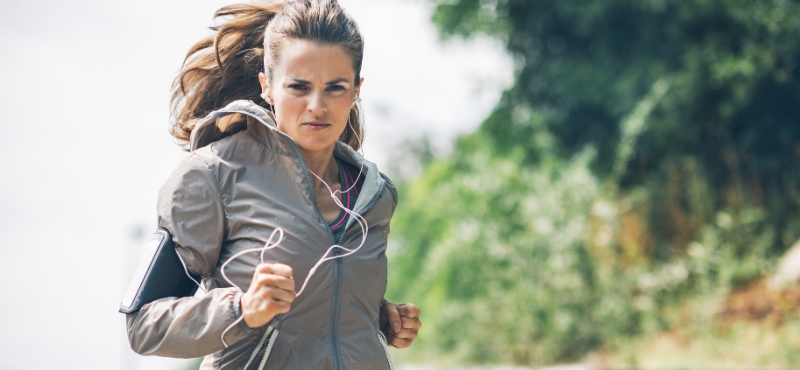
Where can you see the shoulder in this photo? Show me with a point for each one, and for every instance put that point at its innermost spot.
(194, 178)
(228, 148)
(208, 162)
(390, 187)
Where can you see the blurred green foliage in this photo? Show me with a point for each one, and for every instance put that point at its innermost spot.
(645, 158)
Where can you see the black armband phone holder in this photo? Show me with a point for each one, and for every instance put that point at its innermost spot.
(161, 273)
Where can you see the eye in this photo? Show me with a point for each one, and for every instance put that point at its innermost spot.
(299, 87)
(336, 88)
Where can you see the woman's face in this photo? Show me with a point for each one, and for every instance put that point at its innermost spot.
(312, 91)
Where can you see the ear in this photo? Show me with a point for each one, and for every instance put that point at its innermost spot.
(262, 79)
(358, 88)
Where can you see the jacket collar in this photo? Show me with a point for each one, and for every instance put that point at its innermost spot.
(243, 115)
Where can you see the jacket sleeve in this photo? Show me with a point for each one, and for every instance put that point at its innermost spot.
(190, 207)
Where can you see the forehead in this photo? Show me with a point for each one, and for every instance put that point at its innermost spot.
(313, 62)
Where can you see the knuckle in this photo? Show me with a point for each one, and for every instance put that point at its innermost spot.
(264, 268)
(266, 279)
(274, 280)
(274, 306)
(282, 307)
(285, 283)
(283, 269)
(409, 309)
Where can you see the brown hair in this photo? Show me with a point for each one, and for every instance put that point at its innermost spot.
(224, 67)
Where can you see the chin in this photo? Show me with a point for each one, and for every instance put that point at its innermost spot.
(312, 145)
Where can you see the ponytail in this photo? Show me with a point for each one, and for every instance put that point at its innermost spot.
(224, 67)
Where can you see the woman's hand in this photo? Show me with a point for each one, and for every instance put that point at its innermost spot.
(271, 292)
(400, 323)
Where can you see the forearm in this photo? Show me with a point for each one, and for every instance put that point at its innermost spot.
(186, 327)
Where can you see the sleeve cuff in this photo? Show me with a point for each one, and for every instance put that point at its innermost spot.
(237, 311)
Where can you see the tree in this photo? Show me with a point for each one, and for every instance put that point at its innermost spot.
(655, 119)
(732, 108)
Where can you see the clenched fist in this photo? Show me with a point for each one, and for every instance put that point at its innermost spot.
(400, 323)
(271, 292)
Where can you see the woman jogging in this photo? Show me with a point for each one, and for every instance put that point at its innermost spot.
(268, 107)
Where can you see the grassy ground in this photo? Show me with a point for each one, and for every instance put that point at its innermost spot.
(744, 345)
(753, 329)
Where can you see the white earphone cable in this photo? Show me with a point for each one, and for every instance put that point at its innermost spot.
(261, 259)
(362, 223)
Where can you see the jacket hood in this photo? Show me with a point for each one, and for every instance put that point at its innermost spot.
(244, 115)
(227, 121)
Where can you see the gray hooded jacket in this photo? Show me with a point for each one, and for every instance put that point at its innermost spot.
(242, 180)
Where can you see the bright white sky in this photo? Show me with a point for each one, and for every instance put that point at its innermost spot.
(84, 90)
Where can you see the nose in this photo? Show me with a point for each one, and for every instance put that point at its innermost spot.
(317, 104)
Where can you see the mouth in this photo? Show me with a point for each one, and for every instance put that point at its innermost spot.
(316, 125)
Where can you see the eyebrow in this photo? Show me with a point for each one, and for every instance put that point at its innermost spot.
(334, 82)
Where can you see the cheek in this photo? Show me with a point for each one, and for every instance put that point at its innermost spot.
(288, 109)
(341, 109)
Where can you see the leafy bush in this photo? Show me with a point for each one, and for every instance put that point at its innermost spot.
(530, 265)
(645, 163)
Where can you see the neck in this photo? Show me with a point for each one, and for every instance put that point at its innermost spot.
(322, 164)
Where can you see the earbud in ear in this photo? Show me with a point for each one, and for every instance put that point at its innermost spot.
(265, 96)
(358, 100)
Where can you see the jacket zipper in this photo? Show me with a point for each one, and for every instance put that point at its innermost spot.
(386, 348)
(267, 340)
(337, 263)
(337, 287)
(337, 295)
(268, 350)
